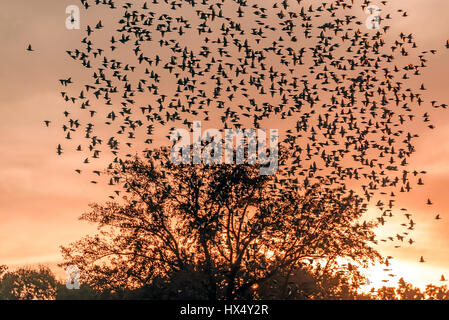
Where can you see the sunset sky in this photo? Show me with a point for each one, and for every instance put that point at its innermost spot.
(41, 197)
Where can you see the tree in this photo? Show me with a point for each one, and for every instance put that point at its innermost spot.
(83, 293)
(433, 292)
(386, 293)
(229, 225)
(3, 269)
(28, 284)
(406, 291)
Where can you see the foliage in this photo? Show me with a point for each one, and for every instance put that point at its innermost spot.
(301, 284)
(230, 224)
(28, 284)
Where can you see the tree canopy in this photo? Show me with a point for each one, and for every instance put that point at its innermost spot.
(228, 224)
(27, 283)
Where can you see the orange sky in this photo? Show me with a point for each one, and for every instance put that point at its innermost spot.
(41, 196)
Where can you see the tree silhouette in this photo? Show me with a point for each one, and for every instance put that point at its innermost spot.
(83, 293)
(232, 227)
(433, 292)
(3, 269)
(28, 284)
(310, 283)
(406, 291)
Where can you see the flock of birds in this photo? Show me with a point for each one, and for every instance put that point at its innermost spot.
(347, 94)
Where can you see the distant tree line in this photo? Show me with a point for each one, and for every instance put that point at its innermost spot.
(39, 283)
